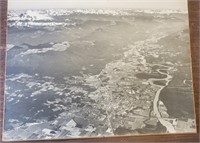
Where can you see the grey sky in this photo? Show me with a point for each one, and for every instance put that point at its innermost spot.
(140, 4)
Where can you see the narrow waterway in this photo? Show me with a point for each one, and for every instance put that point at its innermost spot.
(167, 124)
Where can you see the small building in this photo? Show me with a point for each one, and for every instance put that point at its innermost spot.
(71, 123)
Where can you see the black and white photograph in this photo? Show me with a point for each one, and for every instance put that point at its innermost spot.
(97, 68)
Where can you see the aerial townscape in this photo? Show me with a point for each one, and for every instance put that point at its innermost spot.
(74, 73)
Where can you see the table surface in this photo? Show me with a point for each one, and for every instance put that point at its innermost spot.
(194, 15)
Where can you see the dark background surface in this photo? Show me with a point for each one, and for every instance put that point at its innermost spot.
(194, 15)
